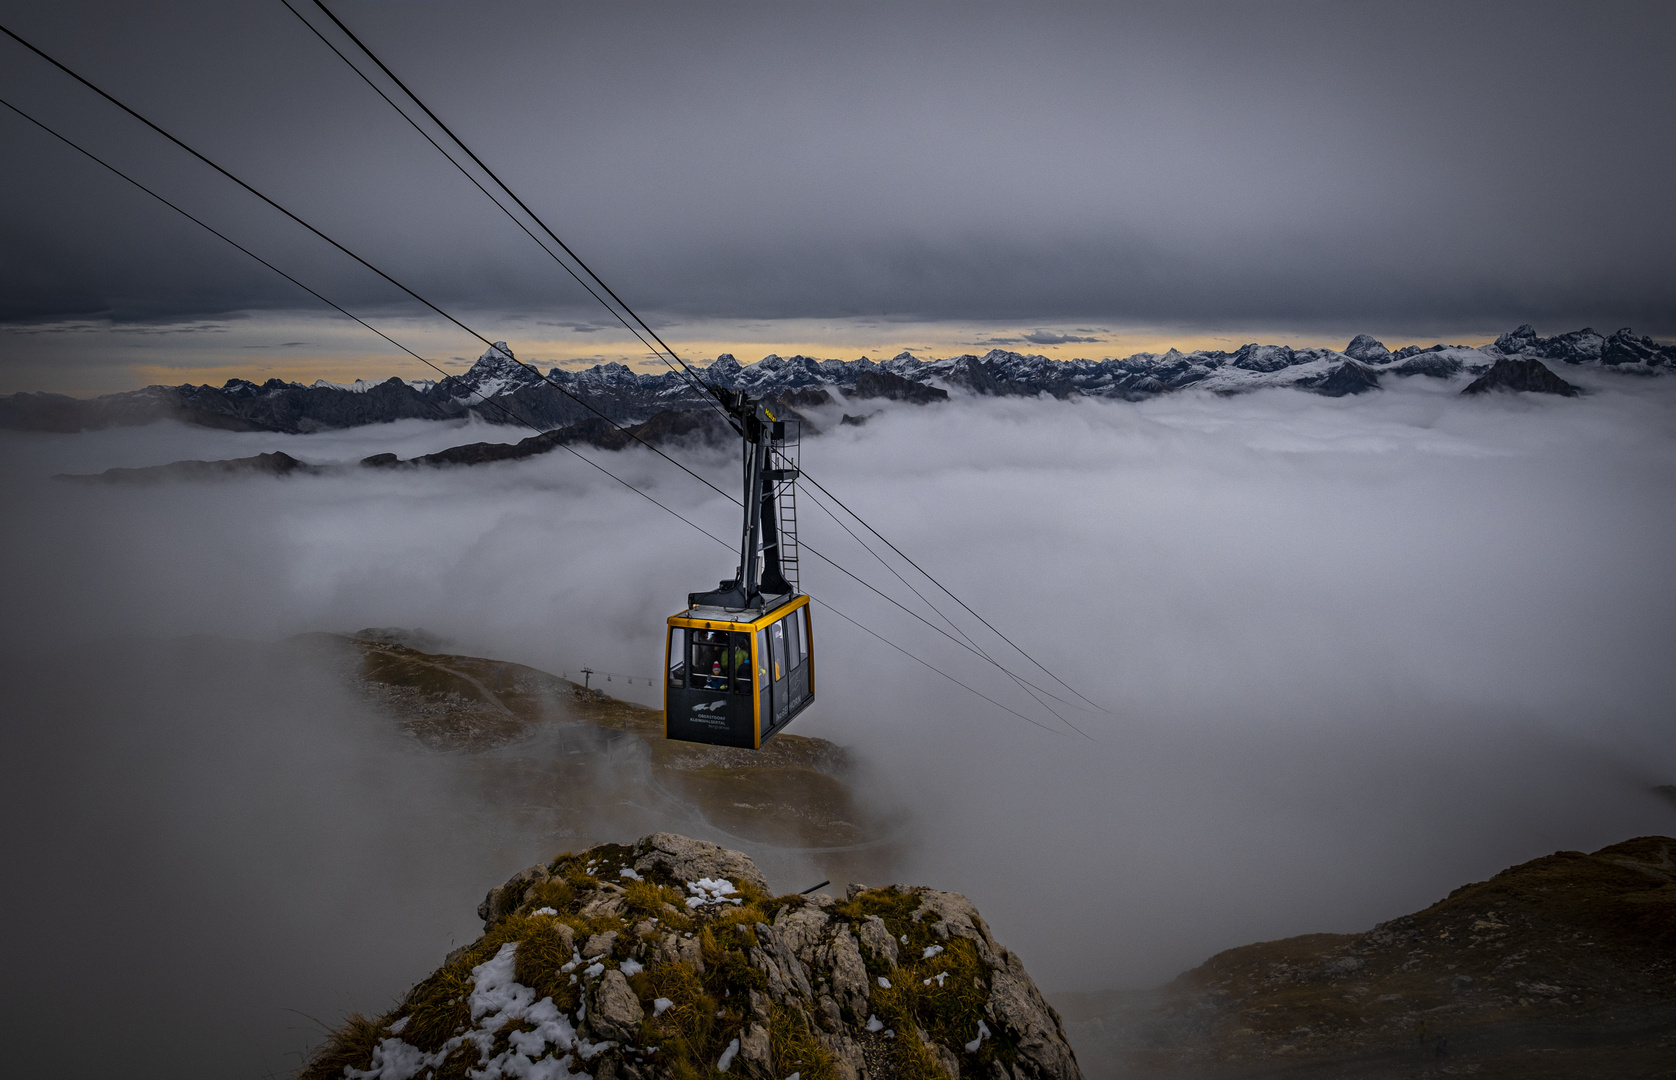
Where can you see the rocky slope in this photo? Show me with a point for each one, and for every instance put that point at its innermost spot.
(1564, 966)
(500, 390)
(670, 958)
(1521, 375)
(277, 463)
(579, 764)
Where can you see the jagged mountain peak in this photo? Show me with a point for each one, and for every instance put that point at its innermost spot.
(1586, 346)
(1262, 358)
(610, 367)
(496, 358)
(1368, 349)
(1519, 340)
(497, 371)
(1624, 347)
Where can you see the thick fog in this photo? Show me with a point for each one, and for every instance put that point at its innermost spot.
(1355, 653)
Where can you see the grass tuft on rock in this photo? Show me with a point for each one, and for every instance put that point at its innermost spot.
(350, 1046)
(437, 1009)
(795, 1048)
(540, 955)
(555, 893)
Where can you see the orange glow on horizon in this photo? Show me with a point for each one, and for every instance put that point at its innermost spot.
(877, 341)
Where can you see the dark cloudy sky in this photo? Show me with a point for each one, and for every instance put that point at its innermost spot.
(842, 178)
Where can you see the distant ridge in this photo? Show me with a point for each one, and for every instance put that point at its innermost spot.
(628, 396)
(1553, 969)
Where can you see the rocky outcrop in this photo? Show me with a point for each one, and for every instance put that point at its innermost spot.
(1529, 376)
(671, 425)
(893, 387)
(670, 958)
(984, 378)
(1345, 379)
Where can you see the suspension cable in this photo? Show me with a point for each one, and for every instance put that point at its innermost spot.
(461, 325)
(347, 314)
(950, 594)
(340, 247)
(965, 640)
(971, 648)
(510, 193)
(486, 400)
(939, 671)
(367, 51)
(684, 375)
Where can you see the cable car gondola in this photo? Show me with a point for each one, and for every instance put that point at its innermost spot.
(740, 660)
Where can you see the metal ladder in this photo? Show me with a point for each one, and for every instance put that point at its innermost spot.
(785, 495)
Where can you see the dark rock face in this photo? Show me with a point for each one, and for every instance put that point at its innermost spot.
(1522, 340)
(1578, 347)
(484, 453)
(672, 425)
(812, 397)
(982, 378)
(893, 387)
(1587, 346)
(1367, 349)
(1429, 364)
(237, 406)
(701, 426)
(1530, 376)
(1624, 347)
(1348, 378)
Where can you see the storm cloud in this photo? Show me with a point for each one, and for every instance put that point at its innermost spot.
(1335, 167)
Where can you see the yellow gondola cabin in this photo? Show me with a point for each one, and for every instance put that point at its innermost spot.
(739, 662)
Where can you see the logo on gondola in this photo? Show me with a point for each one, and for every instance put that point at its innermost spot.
(713, 705)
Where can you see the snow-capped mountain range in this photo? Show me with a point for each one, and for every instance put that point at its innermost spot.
(500, 389)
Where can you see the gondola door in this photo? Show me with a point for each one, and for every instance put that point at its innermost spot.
(797, 654)
(765, 683)
(782, 670)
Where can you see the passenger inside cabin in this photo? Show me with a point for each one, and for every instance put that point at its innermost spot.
(741, 665)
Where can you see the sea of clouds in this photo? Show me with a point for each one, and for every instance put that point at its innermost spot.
(1351, 654)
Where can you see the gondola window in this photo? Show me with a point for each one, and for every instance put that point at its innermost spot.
(677, 657)
(713, 662)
